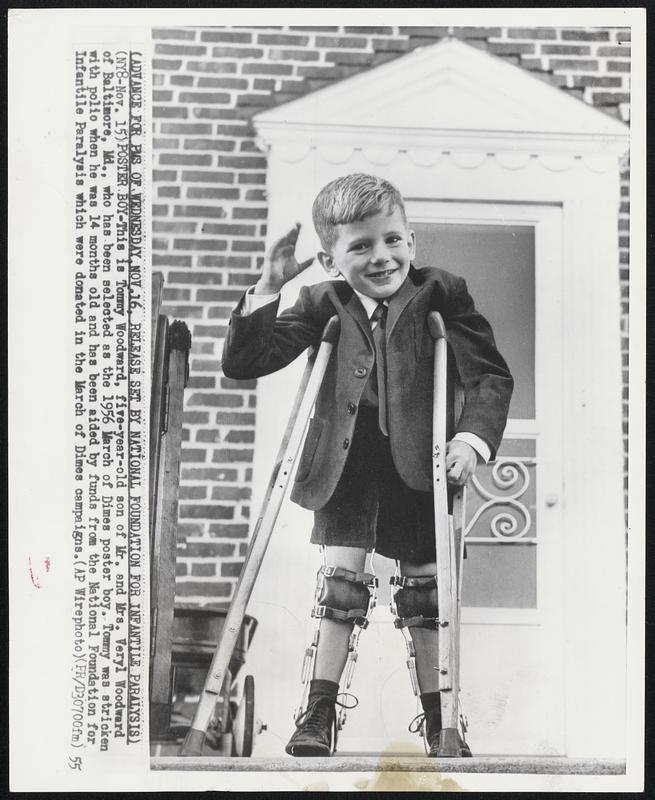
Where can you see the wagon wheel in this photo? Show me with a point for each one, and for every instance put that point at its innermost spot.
(244, 720)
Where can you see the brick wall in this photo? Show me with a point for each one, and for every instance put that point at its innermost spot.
(209, 218)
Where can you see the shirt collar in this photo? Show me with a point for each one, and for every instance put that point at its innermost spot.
(369, 303)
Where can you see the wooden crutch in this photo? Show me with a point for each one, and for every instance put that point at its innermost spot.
(284, 464)
(449, 546)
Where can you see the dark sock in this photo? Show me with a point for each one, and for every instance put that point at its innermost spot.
(323, 687)
(430, 701)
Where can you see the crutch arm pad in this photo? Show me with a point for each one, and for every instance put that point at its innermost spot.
(331, 330)
(436, 325)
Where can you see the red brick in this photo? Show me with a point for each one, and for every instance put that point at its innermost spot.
(165, 144)
(180, 568)
(204, 97)
(202, 348)
(229, 531)
(231, 493)
(195, 417)
(360, 59)
(209, 144)
(584, 35)
(219, 312)
(186, 128)
(182, 80)
(180, 50)
(211, 66)
(263, 84)
(476, 33)
(618, 66)
(174, 227)
(242, 162)
(233, 230)
(211, 436)
(573, 64)
(391, 45)
(531, 33)
(255, 177)
(164, 175)
(166, 63)
(234, 418)
(190, 176)
(215, 113)
(226, 36)
(230, 383)
(341, 41)
(172, 191)
(247, 246)
(317, 28)
(171, 295)
(198, 211)
(621, 52)
(424, 31)
(188, 312)
(185, 529)
(193, 455)
(205, 512)
(194, 492)
(284, 39)
(171, 261)
(293, 55)
(229, 261)
(200, 382)
(511, 48)
(173, 33)
(323, 71)
(227, 456)
(259, 100)
(185, 159)
(215, 331)
(202, 589)
(200, 192)
(222, 83)
(216, 400)
(209, 549)
(243, 279)
(237, 52)
(169, 112)
(623, 36)
(240, 437)
(204, 365)
(200, 244)
(360, 29)
(203, 570)
(256, 194)
(218, 295)
(209, 474)
(231, 569)
(596, 80)
(566, 49)
(611, 98)
(159, 210)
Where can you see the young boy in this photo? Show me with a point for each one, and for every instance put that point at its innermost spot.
(366, 468)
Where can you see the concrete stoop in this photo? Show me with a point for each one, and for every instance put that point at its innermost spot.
(526, 765)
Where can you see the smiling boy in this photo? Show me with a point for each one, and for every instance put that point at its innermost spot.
(366, 467)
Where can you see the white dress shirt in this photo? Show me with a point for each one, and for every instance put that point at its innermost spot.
(255, 301)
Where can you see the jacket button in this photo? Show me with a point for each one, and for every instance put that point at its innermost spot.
(346, 442)
(352, 408)
(360, 372)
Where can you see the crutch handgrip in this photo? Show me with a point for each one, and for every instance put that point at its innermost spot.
(331, 330)
(436, 326)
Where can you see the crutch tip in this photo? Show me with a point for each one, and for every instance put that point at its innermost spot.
(436, 325)
(193, 743)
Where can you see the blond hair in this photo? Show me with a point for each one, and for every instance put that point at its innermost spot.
(352, 198)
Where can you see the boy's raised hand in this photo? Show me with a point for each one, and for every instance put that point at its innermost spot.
(280, 264)
(461, 461)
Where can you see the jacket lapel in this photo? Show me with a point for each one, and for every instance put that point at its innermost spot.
(356, 310)
(400, 301)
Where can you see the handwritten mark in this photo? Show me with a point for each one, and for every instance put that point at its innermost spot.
(34, 577)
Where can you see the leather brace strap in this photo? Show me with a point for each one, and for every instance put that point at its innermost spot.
(432, 623)
(406, 581)
(348, 575)
(355, 615)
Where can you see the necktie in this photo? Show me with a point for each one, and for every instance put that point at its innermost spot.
(379, 336)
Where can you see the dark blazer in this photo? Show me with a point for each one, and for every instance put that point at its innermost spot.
(260, 343)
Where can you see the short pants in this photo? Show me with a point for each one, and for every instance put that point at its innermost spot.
(372, 507)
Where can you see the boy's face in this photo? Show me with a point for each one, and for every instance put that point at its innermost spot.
(372, 255)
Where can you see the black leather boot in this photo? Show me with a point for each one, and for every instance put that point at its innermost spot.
(429, 723)
(316, 727)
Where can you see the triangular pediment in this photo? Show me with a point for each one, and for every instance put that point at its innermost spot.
(449, 87)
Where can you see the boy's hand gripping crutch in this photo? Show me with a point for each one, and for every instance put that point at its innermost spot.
(287, 454)
(450, 546)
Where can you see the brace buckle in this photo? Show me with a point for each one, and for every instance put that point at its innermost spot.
(328, 571)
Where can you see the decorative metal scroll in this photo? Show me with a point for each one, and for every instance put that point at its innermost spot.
(513, 521)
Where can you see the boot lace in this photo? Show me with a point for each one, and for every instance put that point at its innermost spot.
(320, 714)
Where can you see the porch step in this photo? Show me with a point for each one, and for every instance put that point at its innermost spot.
(527, 765)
